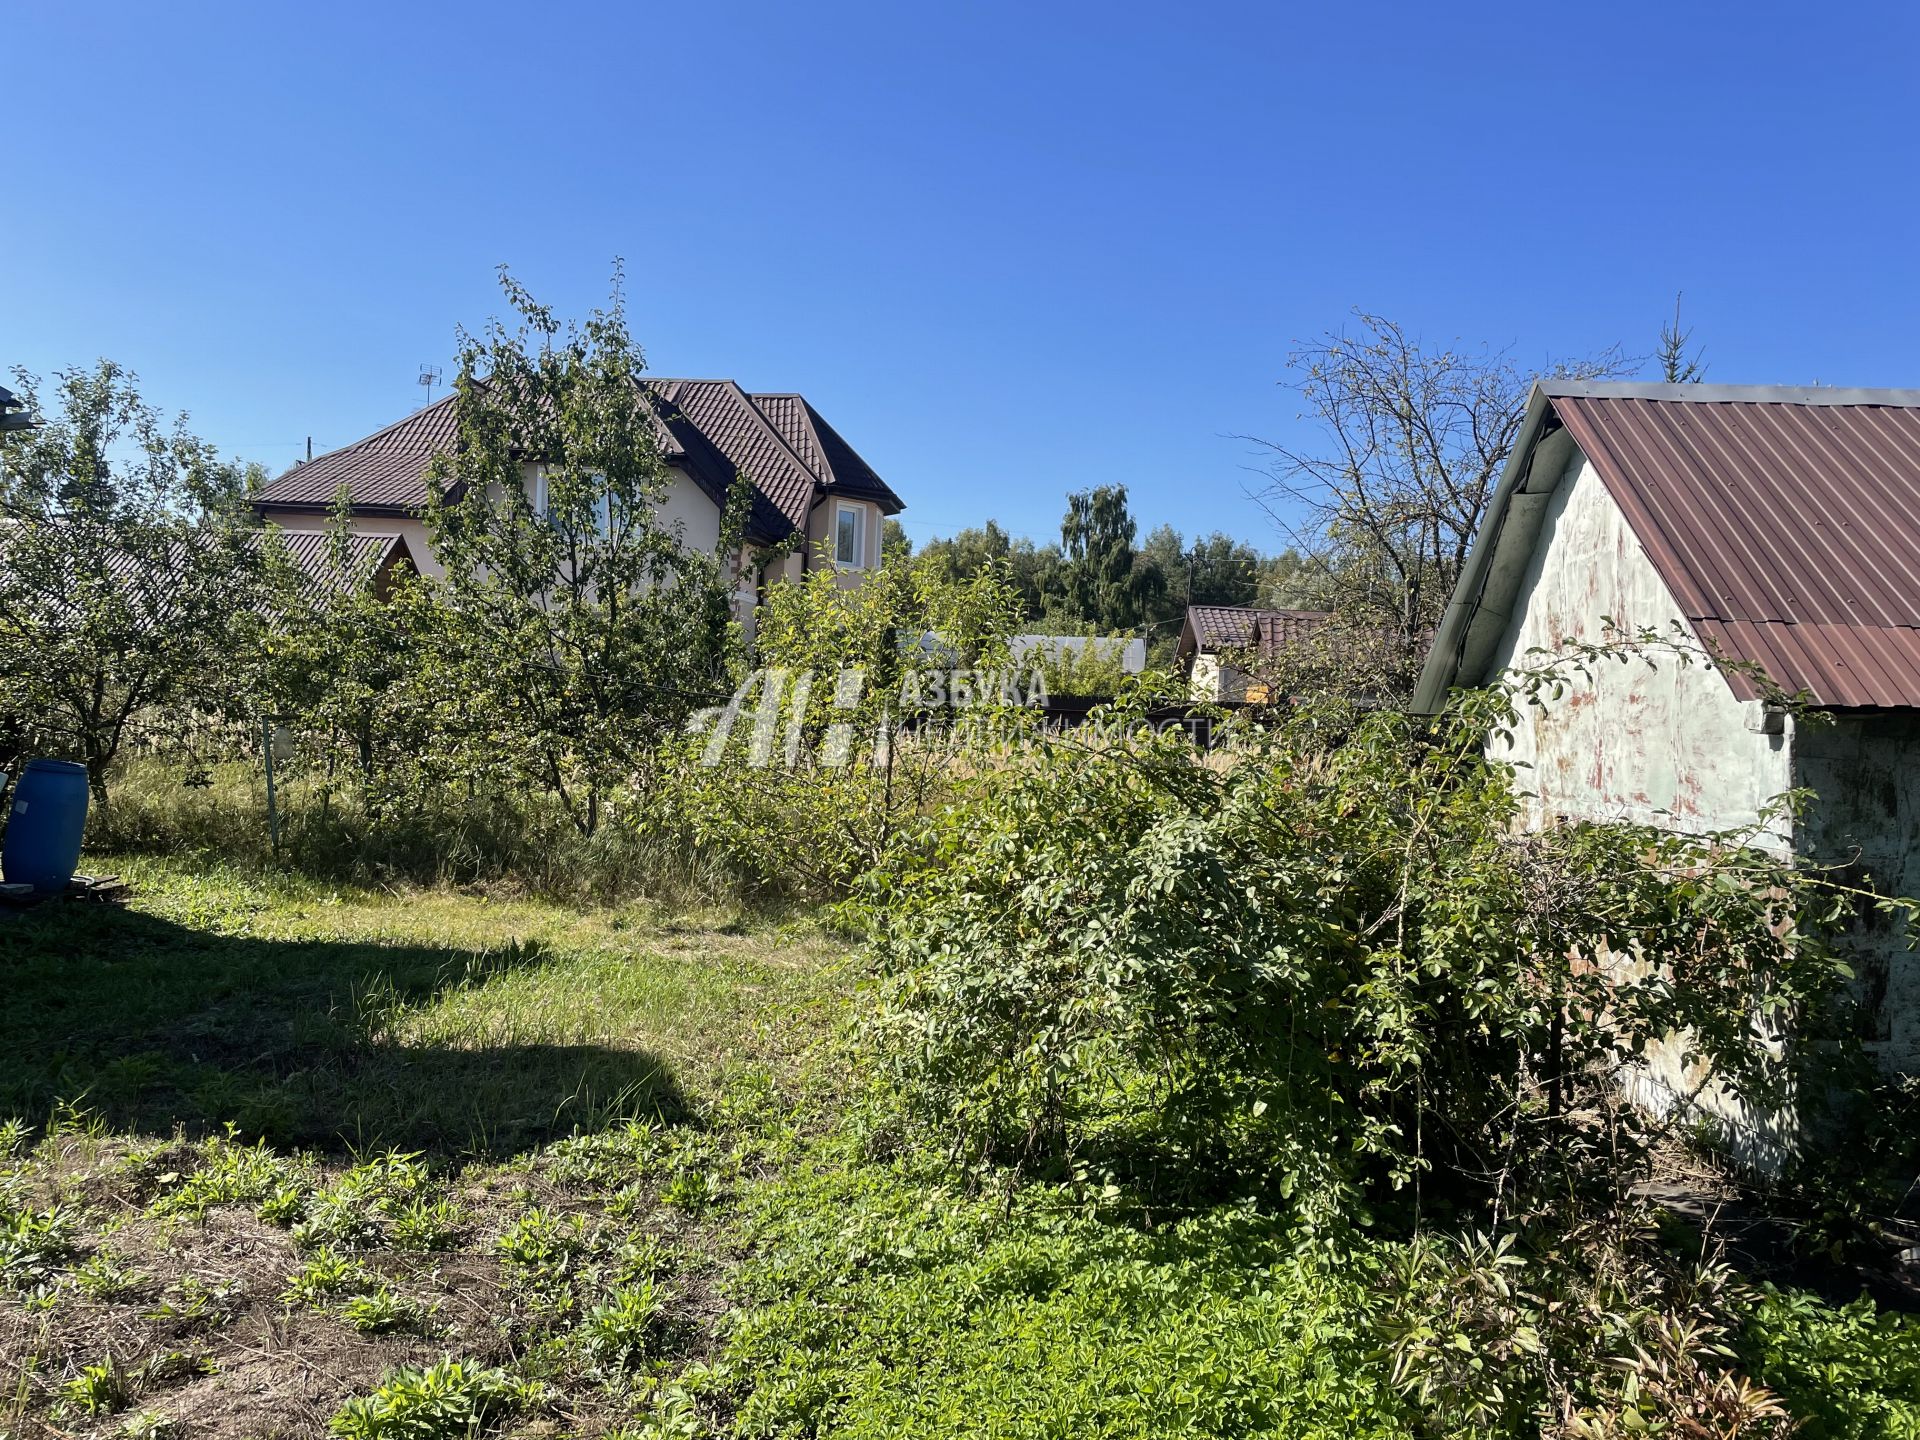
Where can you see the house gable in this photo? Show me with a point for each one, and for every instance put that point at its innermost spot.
(710, 431)
(1653, 741)
(1785, 523)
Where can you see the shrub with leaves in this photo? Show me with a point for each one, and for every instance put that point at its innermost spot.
(1596, 1333)
(1847, 1373)
(1335, 974)
(448, 1400)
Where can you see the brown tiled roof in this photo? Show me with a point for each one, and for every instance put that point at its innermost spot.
(1234, 627)
(712, 428)
(722, 414)
(1276, 630)
(1785, 522)
(385, 471)
(836, 463)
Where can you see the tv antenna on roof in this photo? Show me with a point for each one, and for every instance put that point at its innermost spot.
(429, 378)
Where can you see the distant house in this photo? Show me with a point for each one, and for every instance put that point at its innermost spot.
(378, 559)
(1779, 527)
(1221, 646)
(809, 485)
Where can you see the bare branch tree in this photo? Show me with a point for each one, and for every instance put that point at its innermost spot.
(1415, 438)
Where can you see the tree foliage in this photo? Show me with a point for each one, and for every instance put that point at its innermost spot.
(580, 628)
(1329, 970)
(130, 580)
(1099, 578)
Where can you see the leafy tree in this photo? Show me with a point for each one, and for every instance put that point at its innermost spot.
(894, 539)
(1100, 581)
(1214, 570)
(131, 583)
(1414, 442)
(581, 629)
(1035, 570)
(348, 669)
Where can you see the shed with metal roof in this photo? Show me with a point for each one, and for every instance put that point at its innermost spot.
(1773, 527)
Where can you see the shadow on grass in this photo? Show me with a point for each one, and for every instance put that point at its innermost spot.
(155, 1026)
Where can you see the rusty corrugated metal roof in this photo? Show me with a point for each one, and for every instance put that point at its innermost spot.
(1785, 522)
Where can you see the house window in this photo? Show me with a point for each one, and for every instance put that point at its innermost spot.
(849, 537)
(604, 508)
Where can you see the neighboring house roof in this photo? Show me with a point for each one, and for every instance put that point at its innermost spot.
(1276, 630)
(1128, 652)
(1785, 522)
(385, 472)
(1240, 627)
(150, 582)
(711, 428)
(369, 557)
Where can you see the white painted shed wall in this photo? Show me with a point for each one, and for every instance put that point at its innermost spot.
(1662, 744)
(1673, 747)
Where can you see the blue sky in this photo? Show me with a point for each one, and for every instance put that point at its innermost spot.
(1010, 250)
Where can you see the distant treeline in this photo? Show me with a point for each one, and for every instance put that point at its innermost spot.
(1099, 577)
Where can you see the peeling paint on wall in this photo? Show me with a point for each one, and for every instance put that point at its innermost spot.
(1652, 741)
(1670, 745)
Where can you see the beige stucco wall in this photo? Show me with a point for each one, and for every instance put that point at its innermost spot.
(820, 531)
(1660, 743)
(686, 509)
(1211, 683)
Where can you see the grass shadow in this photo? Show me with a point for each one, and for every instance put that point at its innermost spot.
(155, 1026)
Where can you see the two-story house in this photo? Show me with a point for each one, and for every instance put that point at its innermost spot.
(809, 486)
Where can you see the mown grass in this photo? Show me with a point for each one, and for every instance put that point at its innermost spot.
(426, 1020)
(281, 1156)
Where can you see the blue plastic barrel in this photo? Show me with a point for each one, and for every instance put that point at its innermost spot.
(43, 830)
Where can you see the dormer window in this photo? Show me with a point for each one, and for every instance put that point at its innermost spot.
(849, 537)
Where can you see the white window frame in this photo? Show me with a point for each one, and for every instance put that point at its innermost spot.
(603, 509)
(859, 514)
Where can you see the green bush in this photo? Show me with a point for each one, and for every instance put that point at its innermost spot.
(1851, 1373)
(1331, 975)
(448, 1400)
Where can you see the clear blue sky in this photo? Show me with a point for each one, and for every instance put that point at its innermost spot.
(1008, 249)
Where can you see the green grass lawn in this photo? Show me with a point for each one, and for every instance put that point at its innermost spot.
(280, 1160)
(267, 1142)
